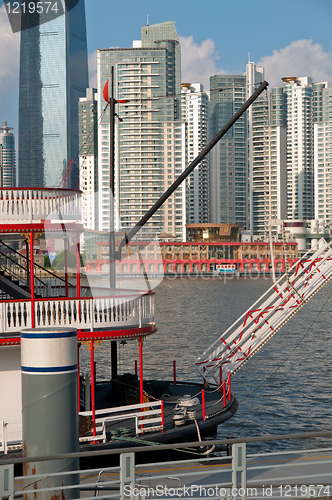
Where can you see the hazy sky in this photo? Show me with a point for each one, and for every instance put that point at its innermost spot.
(287, 37)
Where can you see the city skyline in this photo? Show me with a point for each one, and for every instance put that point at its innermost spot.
(299, 41)
(231, 200)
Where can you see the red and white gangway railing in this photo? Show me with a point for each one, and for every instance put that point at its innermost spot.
(266, 316)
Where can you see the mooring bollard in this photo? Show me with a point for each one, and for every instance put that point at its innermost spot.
(50, 409)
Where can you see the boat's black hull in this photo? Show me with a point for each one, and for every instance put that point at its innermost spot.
(216, 414)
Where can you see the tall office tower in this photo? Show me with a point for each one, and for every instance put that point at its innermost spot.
(228, 159)
(53, 76)
(88, 157)
(7, 157)
(149, 151)
(300, 160)
(322, 93)
(194, 108)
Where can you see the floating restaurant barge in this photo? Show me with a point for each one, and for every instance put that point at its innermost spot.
(208, 246)
(194, 257)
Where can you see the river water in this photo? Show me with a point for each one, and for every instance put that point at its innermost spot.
(284, 388)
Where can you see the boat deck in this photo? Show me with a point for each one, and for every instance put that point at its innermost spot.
(122, 434)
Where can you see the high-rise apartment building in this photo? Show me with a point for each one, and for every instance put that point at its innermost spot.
(267, 154)
(229, 158)
(290, 159)
(53, 76)
(257, 121)
(7, 157)
(194, 105)
(88, 157)
(149, 146)
(323, 153)
(275, 179)
(300, 158)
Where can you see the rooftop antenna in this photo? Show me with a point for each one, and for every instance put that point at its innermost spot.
(248, 57)
(147, 24)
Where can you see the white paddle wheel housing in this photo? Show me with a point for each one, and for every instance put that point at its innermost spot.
(266, 316)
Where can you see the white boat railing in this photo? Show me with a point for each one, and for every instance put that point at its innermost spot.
(148, 417)
(88, 313)
(10, 436)
(31, 205)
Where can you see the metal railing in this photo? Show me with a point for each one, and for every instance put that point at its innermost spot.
(148, 417)
(12, 268)
(296, 473)
(46, 283)
(10, 436)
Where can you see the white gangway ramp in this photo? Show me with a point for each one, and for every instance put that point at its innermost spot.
(266, 316)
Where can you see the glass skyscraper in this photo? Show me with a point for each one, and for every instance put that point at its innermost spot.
(53, 76)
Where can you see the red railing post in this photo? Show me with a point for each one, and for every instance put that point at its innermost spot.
(141, 379)
(141, 369)
(78, 275)
(27, 262)
(203, 404)
(162, 416)
(93, 402)
(66, 264)
(174, 372)
(78, 376)
(32, 282)
(224, 392)
(205, 384)
(229, 385)
(78, 267)
(136, 367)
